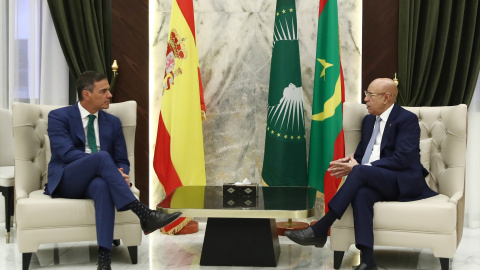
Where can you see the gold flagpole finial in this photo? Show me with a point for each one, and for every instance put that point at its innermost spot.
(114, 75)
(395, 80)
(114, 66)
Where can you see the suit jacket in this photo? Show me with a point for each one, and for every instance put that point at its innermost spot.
(67, 141)
(399, 152)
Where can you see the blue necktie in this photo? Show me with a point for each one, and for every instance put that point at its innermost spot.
(92, 142)
(368, 151)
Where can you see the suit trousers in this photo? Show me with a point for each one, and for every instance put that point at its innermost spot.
(97, 177)
(364, 186)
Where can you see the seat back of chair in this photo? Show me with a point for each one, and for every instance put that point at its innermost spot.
(6, 138)
(127, 113)
(29, 129)
(30, 122)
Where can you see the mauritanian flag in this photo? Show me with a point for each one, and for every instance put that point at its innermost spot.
(326, 137)
(179, 158)
(285, 160)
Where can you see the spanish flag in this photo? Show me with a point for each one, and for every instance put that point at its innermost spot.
(326, 136)
(179, 158)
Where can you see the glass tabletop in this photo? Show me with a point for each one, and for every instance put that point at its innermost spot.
(270, 202)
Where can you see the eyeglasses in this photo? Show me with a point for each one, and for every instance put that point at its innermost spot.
(368, 94)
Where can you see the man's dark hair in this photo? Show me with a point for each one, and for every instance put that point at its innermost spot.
(87, 80)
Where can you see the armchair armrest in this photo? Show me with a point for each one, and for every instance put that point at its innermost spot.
(20, 194)
(456, 197)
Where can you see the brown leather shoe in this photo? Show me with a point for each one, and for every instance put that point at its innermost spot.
(157, 220)
(306, 237)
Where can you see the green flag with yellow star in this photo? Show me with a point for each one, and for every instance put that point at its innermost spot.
(285, 160)
(326, 136)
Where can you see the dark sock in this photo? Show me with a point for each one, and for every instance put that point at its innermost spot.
(140, 209)
(320, 229)
(104, 255)
(366, 255)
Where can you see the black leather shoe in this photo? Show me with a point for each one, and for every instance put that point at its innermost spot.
(104, 266)
(306, 237)
(157, 220)
(364, 266)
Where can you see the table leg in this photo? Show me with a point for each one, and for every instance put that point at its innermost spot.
(240, 242)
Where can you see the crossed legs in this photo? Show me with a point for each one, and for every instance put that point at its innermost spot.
(97, 177)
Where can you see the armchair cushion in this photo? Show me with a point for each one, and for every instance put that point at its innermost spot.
(401, 214)
(36, 212)
(7, 176)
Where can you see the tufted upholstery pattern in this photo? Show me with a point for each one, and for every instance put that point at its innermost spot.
(41, 219)
(435, 223)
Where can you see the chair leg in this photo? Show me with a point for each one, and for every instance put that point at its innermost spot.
(445, 263)
(12, 205)
(26, 257)
(8, 194)
(133, 251)
(7, 217)
(337, 258)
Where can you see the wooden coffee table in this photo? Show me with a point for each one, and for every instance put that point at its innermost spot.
(243, 235)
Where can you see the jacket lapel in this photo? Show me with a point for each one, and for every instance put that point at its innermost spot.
(103, 130)
(77, 124)
(388, 126)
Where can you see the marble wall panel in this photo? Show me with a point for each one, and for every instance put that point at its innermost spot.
(234, 41)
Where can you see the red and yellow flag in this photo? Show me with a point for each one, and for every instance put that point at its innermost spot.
(326, 137)
(179, 158)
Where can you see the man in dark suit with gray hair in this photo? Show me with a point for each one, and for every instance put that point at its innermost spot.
(385, 167)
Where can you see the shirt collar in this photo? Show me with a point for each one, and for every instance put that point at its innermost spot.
(84, 113)
(386, 113)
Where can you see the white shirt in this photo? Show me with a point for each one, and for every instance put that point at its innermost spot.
(376, 146)
(84, 114)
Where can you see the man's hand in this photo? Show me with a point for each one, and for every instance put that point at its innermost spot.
(125, 176)
(342, 167)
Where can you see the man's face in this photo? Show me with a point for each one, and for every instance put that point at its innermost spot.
(99, 99)
(376, 102)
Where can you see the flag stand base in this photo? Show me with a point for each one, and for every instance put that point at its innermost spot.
(290, 226)
(191, 227)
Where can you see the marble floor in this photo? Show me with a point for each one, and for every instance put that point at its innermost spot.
(160, 251)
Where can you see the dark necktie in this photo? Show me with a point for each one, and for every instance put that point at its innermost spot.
(92, 142)
(368, 151)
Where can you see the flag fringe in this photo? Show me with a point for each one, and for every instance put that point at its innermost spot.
(177, 228)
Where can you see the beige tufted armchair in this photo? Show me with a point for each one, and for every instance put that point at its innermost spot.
(435, 223)
(7, 176)
(41, 219)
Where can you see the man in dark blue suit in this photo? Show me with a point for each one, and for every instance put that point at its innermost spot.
(385, 167)
(89, 160)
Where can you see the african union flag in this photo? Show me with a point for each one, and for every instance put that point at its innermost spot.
(285, 160)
